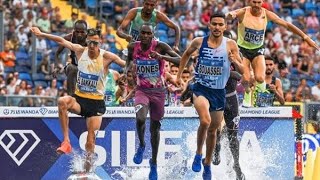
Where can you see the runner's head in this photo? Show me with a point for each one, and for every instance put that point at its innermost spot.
(255, 4)
(148, 6)
(93, 40)
(217, 24)
(146, 34)
(80, 30)
(269, 65)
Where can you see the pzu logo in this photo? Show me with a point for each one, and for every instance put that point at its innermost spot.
(22, 151)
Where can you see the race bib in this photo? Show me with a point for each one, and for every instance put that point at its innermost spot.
(135, 34)
(108, 97)
(264, 99)
(253, 36)
(209, 70)
(148, 69)
(87, 82)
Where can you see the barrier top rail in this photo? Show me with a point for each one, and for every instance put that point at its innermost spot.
(128, 112)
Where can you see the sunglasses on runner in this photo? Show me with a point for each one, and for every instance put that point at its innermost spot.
(95, 43)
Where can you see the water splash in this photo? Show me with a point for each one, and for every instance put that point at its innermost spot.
(77, 166)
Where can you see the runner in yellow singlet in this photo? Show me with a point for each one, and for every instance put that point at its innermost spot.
(251, 31)
(89, 97)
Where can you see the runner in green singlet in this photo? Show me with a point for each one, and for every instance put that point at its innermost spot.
(111, 88)
(142, 15)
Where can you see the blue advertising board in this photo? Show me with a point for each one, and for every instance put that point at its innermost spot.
(28, 148)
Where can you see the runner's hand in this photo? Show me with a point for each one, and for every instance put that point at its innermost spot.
(176, 49)
(155, 55)
(272, 87)
(178, 82)
(232, 57)
(36, 31)
(311, 43)
(128, 38)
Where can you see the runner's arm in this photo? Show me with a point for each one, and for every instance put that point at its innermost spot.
(129, 57)
(238, 13)
(114, 58)
(195, 44)
(279, 92)
(162, 17)
(61, 48)
(61, 41)
(123, 26)
(276, 19)
(234, 55)
(173, 56)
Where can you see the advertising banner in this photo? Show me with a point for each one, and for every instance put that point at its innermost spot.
(310, 141)
(28, 148)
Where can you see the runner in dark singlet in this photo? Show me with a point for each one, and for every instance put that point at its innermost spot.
(78, 36)
(274, 85)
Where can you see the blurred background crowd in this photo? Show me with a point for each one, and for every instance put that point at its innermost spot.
(26, 62)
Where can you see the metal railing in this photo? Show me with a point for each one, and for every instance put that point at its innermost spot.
(27, 101)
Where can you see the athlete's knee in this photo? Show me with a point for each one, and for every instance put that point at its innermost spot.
(260, 77)
(246, 77)
(155, 126)
(212, 131)
(205, 122)
(62, 103)
(140, 119)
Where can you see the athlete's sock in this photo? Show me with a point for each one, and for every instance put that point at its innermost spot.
(247, 99)
(261, 87)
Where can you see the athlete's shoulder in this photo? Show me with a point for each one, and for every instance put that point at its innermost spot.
(161, 43)
(243, 10)
(231, 41)
(196, 42)
(135, 9)
(133, 12)
(198, 39)
(68, 37)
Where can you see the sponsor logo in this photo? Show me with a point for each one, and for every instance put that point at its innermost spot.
(22, 152)
(310, 141)
(6, 111)
(43, 111)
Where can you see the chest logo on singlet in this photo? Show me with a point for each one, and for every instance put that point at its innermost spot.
(87, 82)
(148, 68)
(253, 36)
